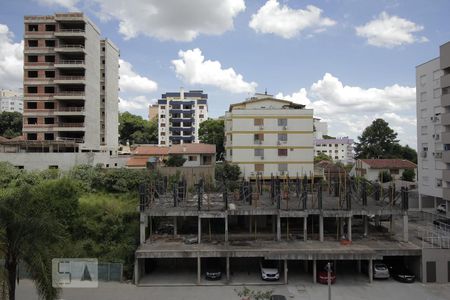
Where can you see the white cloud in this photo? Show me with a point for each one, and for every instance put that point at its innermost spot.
(194, 69)
(287, 22)
(171, 20)
(138, 103)
(130, 81)
(11, 60)
(390, 31)
(349, 109)
(69, 4)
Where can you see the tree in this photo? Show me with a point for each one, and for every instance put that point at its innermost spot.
(409, 175)
(212, 132)
(10, 124)
(136, 130)
(377, 141)
(175, 161)
(321, 156)
(227, 171)
(385, 176)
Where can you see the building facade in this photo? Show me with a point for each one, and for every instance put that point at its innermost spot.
(433, 129)
(340, 149)
(320, 128)
(180, 115)
(11, 101)
(267, 136)
(70, 83)
(152, 111)
(371, 169)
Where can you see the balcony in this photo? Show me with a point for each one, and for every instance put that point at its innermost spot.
(70, 64)
(446, 193)
(445, 100)
(446, 175)
(72, 48)
(70, 140)
(69, 79)
(446, 156)
(445, 81)
(445, 119)
(70, 32)
(70, 95)
(70, 111)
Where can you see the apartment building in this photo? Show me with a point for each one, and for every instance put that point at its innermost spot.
(152, 111)
(433, 131)
(340, 149)
(70, 83)
(267, 136)
(180, 115)
(320, 128)
(11, 101)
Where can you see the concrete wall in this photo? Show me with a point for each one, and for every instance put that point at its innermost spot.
(64, 161)
(111, 95)
(442, 258)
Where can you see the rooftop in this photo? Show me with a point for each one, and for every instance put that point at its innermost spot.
(389, 163)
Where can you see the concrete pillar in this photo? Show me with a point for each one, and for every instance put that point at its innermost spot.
(349, 228)
(274, 225)
(321, 238)
(199, 227)
(199, 269)
(285, 272)
(136, 271)
(278, 228)
(420, 202)
(405, 228)
(226, 228)
(391, 224)
(150, 231)
(370, 270)
(358, 266)
(175, 226)
(142, 228)
(366, 226)
(228, 268)
(314, 271)
(305, 228)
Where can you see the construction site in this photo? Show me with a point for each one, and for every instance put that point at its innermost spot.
(302, 223)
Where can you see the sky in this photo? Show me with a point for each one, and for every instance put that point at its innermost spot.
(352, 61)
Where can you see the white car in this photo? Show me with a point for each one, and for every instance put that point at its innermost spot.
(442, 208)
(269, 269)
(380, 271)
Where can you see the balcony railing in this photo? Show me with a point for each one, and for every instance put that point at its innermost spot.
(70, 62)
(61, 77)
(70, 30)
(70, 125)
(70, 109)
(71, 46)
(69, 139)
(71, 93)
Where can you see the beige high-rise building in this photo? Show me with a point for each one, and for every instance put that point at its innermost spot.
(152, 111)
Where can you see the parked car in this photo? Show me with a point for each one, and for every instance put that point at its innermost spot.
(277, 297)
(401, 273)
(269, 269)
(380, 271)
(213, 269)
(442, 208)
(322, 276)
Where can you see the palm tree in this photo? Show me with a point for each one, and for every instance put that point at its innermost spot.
(28, 235)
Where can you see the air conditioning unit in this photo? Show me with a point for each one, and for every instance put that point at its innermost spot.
(438, 155)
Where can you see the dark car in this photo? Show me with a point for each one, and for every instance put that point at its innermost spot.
(277, 297)
(213, 269)
(322, 276)
(401, 273)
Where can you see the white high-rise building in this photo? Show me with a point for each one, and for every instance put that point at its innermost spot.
(11, 101)
(180, 115)
(433, 138)
(267, 136)
(339, 149)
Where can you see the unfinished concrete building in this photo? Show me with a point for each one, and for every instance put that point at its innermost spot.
(300, 223)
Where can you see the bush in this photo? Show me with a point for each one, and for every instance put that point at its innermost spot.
(409, 175)
(175, 161)
(385, 176)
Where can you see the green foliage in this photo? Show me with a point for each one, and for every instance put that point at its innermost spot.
(227, 171)
(10, 124)
(384, 176)
(136, 130)
(175, 161)
(8, 173)
(376, 141)
(321, 156)
(247, 293)
(212, 132)
(409, 175)
(328, 137)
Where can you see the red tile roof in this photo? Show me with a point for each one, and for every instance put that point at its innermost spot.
(151, 151)
(389, 163)
(195, 148)
(137, 162)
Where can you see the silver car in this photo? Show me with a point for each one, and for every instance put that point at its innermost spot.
(380, 271)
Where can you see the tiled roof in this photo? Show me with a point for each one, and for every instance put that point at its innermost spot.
(137, 162)
(389, 163)
(195, 148)
(151, 150)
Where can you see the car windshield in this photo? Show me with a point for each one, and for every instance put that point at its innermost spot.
(270, 264)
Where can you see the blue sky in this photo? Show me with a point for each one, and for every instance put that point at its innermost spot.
(351, 61)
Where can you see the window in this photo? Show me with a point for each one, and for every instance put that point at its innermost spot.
(49, 120)
(423, 113)
(163, 116)
(49, 74)
(201, 107)
(50, 27)
(201, 116)
(31, 136)
(33, 27)
(423, 130)
(423, 79)
(437, 93)
(259, 167)
(32, 58)
(49, 58)
(282, 122)
(258, 122)
(53, 167)
(163, 142)
(32, 105)
(192, 158)
(438, 182)
(163, 124)
(32, 43)
(163, 133)
(32, 89)
(49, 136)
(50, 43)
(49, 105)
(282, 167)
(103, 48)
(258, 138)
(32, 74)
(32, 120)
(259, 152)
(282, 152)
(49, 89)
(163, 107)
(282, 137)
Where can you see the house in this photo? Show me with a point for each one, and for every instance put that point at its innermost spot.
(195, 154)
(371, 168)
(147, 153)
